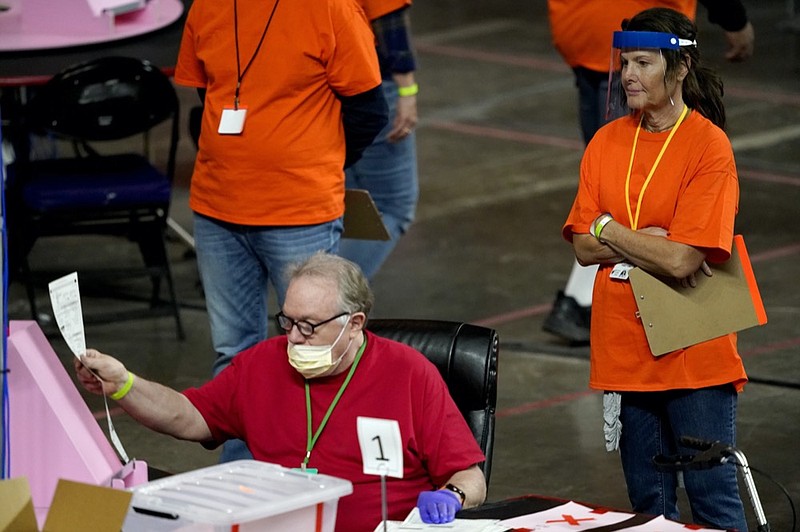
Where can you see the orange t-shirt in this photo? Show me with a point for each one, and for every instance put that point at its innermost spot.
(378, 8)
(694, 194)
(286, 167)
(582, 30)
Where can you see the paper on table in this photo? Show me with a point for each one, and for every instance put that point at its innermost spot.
(569, 516)
(414, 522)
(662, 524)
(65, 298)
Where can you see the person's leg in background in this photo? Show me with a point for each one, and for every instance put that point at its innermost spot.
(388, 170)
(235, 284)
(570, 316)
(236, 265)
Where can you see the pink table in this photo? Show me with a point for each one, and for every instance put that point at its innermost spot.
(47, 24)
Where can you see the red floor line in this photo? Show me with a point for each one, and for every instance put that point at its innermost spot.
(771, 348)
(493, 57)
(544, 403)
(514, 315)
(506, 134)
(789, 98)
(768, 177)
(776, 253)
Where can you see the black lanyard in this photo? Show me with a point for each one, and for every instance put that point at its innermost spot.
(239, 73)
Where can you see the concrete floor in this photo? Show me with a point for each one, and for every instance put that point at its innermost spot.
(499, 150)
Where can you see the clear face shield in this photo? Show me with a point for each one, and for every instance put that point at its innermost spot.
(651, 43)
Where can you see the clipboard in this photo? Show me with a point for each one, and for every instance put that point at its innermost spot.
(362, 220)
(675, 317)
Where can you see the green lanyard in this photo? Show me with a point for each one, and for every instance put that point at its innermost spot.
(311, 441)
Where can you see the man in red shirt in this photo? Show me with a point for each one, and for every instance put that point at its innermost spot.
(327, 366)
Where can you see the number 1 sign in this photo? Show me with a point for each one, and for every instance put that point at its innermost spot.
(381, 446)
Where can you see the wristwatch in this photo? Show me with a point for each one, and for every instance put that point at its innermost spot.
(458, 491)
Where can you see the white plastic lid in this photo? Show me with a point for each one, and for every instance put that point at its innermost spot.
(236, 492)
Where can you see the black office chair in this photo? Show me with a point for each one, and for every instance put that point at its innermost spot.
(466, 356)
(108, 187)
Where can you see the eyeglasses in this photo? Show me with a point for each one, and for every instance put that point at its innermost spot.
(306, 328)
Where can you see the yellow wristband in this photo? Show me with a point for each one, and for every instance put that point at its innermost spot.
(411, 90)
(600, 224)
(122, 392)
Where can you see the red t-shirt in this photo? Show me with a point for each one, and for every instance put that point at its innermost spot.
(286, 167)
(582, 29)
(694, 195)
(261, 399)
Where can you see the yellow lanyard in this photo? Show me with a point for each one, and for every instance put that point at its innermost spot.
(634, 220)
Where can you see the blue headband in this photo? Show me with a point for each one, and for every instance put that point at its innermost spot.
(649, 39)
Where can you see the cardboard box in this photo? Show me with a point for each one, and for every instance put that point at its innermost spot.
(245, 495)
(75, 506)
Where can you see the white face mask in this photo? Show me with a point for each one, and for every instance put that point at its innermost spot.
(314, 360)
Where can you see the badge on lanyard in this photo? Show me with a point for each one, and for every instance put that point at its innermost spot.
(620, 271)
(232, 120)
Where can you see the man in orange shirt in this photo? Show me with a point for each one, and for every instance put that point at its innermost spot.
(581, 31)
(292, 95)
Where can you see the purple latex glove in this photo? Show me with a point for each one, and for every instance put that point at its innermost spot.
(437, 507)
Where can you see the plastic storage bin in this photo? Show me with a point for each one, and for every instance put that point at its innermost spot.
(240, 496)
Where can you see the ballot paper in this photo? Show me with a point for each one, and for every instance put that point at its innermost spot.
(65, 298)
(413, 522)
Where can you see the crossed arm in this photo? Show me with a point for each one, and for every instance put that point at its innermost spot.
(647, 248)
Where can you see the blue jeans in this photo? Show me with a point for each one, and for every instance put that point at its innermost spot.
(237, 262)
(388, 170)
(652, 424)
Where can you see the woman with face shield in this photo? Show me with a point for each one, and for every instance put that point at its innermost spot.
(659, 190)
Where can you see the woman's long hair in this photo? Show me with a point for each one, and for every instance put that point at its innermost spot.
(702, 87)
